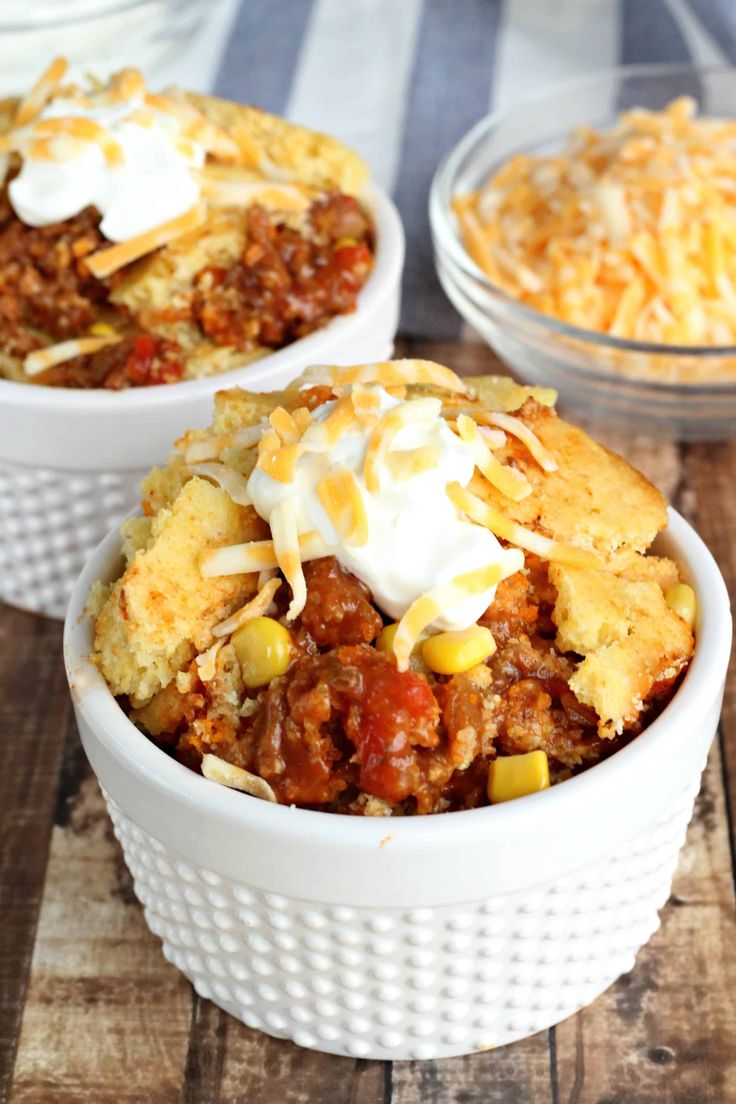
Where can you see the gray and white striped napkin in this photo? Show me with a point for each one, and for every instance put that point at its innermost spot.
(402, 80)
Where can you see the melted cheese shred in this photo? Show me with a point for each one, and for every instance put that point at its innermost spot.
(443, 597)
(230, 481)
(257, 607)
(400, 417)
(339, 494)
(246, 559)
(285, 532)
(508, 481)
(516, 428)
(34, 102)
(630, 232)
(483, 513)
(389, 373)
(106, 261)
(41, 359)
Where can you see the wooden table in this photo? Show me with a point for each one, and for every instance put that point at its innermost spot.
(90, 1012)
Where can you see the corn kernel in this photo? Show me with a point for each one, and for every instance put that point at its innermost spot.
(681, 598)
(385, 639)
(102, 329)
(450, 653)
(513, 776)
(263, 648)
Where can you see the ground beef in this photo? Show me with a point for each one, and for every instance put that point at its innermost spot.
(347, 717)
(286, 284)
(136, 361)
(44, 281)
(338, 608)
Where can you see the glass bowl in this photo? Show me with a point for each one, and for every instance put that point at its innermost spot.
(686, 393)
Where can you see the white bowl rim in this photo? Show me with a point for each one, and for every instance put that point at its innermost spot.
(441, 223)
(156, 771)
(101, 401)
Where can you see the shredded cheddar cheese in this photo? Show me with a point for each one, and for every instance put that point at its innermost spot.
(284, 425)
(629, 232)
(232, 482)
(246, 559)
(389, 373)
(516, 428)
(339, 494)
(41, 359)
(418, 410)
(257, 607)
(441, 598)
(485, 514)
(285, 535)
(407, 463)
(106, 261)
(508, 481)
(41, 92)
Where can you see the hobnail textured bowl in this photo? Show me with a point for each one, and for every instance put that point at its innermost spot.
(71, 461)
(685, 393)
(416, 937)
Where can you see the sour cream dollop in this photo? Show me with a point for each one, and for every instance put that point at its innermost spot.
(150, 184)
(417, 539)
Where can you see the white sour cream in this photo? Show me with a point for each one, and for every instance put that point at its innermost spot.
(416, 537)
(152, 184)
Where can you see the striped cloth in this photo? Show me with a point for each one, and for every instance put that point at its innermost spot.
(402, 80)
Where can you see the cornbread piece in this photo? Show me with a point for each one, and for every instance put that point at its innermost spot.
(653, 569)
(502, 393)
(633, 644)
(161, 612)
(594, 500)
(305, 155)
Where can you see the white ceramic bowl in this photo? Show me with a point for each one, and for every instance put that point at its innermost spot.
(420, 937)
(71, 461)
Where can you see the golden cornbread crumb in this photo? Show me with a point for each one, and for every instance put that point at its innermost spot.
(161, 612)
(629, 637)
(312, 158)
(503, 394)
(655, 569)
(594, 500)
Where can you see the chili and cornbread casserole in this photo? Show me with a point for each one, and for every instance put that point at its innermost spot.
(147, 238)
(386, 591)
(629, 232)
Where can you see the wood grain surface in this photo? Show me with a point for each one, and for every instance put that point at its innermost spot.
(91, 1013)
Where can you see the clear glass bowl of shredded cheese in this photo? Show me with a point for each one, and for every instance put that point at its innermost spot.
(589, 235)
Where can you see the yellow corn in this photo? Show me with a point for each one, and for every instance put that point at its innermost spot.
(263, 648)
(514, 776)
(449, 653)
(681, 598)
(385, 639)
(102, 329)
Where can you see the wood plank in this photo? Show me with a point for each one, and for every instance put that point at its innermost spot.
(517, 1074)
(106, 1019)
(273, 1071)
(34, 710)
(711, 473)
(666, 1032)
